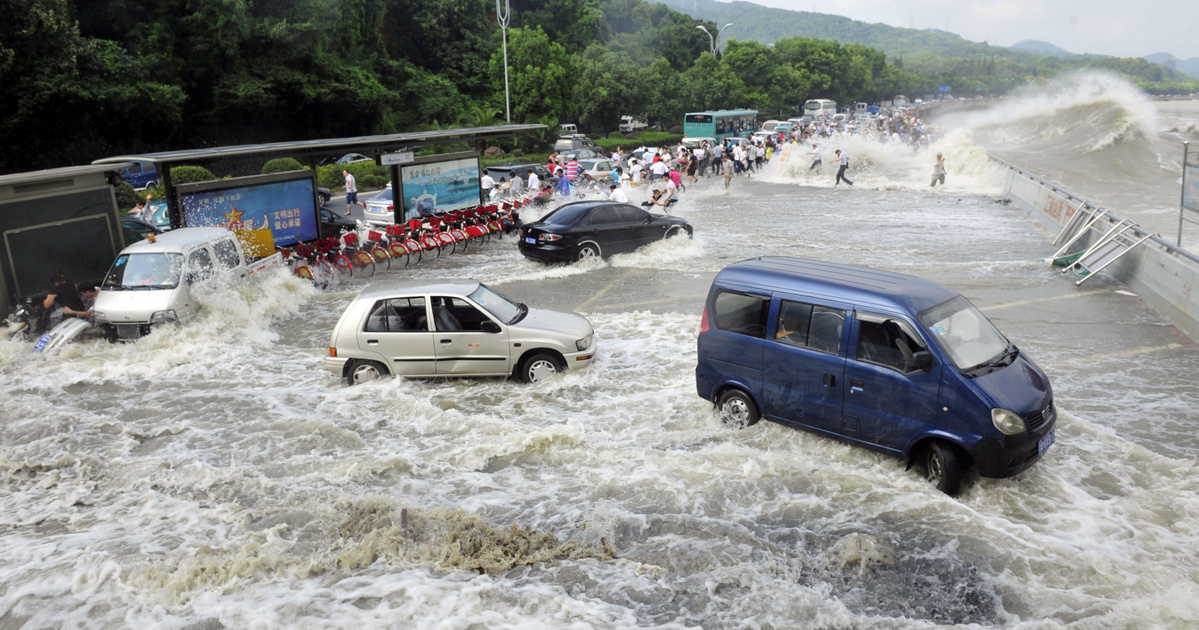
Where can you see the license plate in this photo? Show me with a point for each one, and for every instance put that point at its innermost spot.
(1045, 442)
(530, 239)
(42, 341)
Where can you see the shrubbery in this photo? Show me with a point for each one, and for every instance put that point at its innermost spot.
(368, 174)
(652, 138)
(126, 196)
(190, 175)
(281, 165)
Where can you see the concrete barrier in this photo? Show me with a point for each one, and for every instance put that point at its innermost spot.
(1163, 274)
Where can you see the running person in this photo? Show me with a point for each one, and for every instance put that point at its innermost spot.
(815, 158)
(844, 167)
(939, 171)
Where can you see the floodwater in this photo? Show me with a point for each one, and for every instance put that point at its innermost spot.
(214, 475)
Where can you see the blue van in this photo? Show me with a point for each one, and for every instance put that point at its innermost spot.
(141, 175)
(895, 363)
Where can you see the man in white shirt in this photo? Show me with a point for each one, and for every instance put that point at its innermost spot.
(635, 172)
(616, 194)
(534, 181)
(351, 190)
(487, 183)
(658, 170)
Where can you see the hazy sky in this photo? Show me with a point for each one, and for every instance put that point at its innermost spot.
(1106, 27)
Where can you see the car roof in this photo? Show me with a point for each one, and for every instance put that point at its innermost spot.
(860, 286)
(179, 239)
(453, 286)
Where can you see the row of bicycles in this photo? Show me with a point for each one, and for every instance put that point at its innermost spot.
(360, 253)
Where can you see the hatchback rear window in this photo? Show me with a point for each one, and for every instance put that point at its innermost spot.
(741, 313)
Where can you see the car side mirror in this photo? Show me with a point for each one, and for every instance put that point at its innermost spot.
(489, 326)
(922, 360)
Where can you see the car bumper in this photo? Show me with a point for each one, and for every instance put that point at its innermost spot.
(546, 252)
(336, 365)
(580, 360)
(1011, 455)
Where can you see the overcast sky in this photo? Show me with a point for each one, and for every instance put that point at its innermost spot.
(1106, 27)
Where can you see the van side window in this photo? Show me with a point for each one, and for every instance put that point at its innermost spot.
(226, 254)
(200, 263)
(808, 326)
(398, 315)
(741, 313)
(885, 341)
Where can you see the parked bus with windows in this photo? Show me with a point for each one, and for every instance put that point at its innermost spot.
(820, 108)
(720, 123)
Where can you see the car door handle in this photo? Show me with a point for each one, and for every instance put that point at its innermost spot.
(372, 342)
(447, 341)
(830, 380)
(856, 386)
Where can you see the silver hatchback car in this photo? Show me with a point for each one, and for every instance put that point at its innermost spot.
(454, 328)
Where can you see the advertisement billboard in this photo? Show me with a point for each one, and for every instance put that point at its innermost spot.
(439, 183)
(284, 203)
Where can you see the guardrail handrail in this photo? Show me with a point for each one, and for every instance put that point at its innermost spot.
(1168, 246)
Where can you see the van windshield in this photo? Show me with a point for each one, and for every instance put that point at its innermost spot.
(967, 336)
(144, 271)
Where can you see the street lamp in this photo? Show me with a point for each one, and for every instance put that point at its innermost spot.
(711, 40)
(503, 19)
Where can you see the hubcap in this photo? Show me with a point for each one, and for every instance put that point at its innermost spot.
(540, 370)
(587, 252)
(365, 373)
(736, 411)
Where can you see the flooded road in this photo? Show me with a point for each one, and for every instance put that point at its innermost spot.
(214, 475)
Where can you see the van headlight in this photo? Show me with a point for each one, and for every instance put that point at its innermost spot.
(99, 317)
(583, 343)
(1007, 422)
(162, 317)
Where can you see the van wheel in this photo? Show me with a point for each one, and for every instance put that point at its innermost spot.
(152, 186)
(364, 372)
(736, 409)
(537, 368)
(943, 468)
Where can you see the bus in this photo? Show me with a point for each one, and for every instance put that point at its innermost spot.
(720, 123)
(820, 108)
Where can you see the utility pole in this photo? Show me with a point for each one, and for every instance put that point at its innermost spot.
(503, 19)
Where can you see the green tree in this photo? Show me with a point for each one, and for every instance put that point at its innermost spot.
(541, 75)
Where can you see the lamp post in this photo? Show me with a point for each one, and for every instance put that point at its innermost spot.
(503, 19)
(711, 40)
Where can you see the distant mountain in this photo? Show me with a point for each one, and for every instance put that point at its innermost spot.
(1040, 47)
(1190, 66)
(752, 22)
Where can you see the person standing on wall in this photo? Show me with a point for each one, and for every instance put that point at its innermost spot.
(844, 156)
(939, 171)
(351, 190)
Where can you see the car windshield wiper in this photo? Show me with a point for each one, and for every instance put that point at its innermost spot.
(1003, 359)
(520, 313)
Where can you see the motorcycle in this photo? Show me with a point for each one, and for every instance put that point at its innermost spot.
(51, 327)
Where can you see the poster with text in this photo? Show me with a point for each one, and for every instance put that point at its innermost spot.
(286, 208)
(440, 186)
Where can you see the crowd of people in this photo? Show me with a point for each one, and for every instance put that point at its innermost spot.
(668, 170)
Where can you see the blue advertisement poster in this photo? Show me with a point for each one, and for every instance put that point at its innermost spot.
(1190, 187)
(441, 186)
(286, 208)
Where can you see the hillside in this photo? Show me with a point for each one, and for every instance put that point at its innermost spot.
(1190, 66)
(1040, 47)
(766, 25)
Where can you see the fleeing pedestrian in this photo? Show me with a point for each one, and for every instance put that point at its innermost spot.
(844, 157)
(938, 171)
(815, 158)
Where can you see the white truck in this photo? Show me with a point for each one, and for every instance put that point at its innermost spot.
(150, 281)
(629, 124)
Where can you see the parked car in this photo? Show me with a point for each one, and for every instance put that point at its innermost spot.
(629, 124)
(590, 229)
(454, 328)
(507, 170)
(572, 142)
(334, 223)
(895, 363)
(141, 175)
(135, 229)
(599, 169)
(580, 154)
(351, 158)
(324, 194)
(380, 208)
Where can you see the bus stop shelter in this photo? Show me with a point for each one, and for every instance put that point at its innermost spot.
(249, 158)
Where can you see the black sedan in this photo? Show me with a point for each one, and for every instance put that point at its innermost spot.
(587, 229)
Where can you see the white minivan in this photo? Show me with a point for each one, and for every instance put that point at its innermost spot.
(150, 281)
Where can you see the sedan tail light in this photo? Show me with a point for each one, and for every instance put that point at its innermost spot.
(548, 238)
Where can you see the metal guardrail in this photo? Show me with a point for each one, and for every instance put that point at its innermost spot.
(1164, 244)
